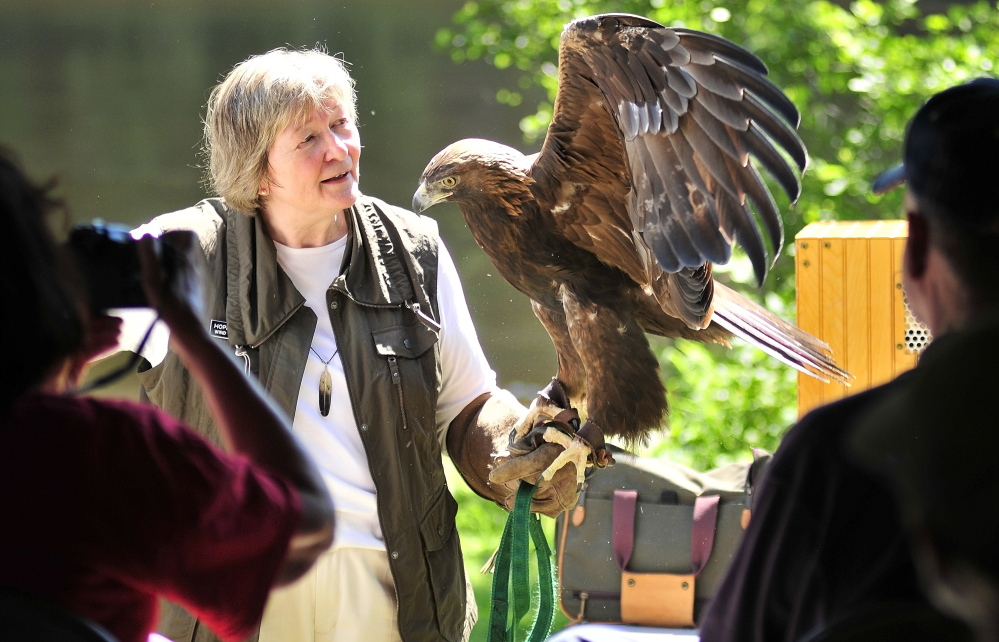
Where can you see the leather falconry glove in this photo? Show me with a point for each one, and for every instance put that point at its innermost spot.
(530, 455)
(479, 444)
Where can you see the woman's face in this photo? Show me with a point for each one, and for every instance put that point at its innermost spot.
(313, 166)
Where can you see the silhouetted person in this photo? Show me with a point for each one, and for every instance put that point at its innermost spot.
(937, 437)
(826, 544)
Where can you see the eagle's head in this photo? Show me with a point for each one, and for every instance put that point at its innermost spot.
(470, 170)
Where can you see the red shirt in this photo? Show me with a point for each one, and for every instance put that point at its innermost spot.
(107, 504)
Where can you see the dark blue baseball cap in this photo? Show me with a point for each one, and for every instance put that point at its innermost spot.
(951, 154)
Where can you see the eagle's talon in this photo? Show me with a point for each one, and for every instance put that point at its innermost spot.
(577, 452)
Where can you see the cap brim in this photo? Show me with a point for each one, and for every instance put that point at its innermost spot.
(889, 180)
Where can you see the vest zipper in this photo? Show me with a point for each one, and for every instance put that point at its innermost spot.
(244, 349)
(397, 380)
(241, 351)
(423, 316)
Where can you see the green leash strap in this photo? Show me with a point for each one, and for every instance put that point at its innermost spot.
(546, 604)
(511, 574)
(499, 614)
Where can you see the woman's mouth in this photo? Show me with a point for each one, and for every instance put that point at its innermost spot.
(334, 179)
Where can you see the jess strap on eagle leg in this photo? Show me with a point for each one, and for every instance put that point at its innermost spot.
(566, 422)
(660, 599)
(590, 432)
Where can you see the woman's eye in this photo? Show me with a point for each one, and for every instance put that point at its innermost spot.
(340, 122)
(308, 138)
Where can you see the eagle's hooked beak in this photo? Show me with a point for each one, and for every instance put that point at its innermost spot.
(424, 197)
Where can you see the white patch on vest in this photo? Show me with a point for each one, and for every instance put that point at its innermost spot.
(219, 329)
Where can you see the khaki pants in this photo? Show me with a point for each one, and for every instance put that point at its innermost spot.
(348, 596)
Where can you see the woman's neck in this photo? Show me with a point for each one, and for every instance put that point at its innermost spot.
(293, 232)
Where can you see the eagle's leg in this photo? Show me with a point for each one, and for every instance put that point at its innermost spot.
(625, 396)
(624, 390)
(567, 388)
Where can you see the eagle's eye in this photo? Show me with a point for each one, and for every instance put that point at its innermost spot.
(449, 181)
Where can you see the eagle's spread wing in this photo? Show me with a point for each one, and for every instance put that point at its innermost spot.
(647, 159)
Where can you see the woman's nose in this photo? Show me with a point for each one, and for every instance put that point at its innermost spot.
(336, 146)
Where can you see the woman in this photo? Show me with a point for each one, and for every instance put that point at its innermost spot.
(350, 313)
(110, 504)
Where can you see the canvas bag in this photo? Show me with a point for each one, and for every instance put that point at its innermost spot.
(650, 539)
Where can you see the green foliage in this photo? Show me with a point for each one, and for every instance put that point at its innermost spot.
(856, 73)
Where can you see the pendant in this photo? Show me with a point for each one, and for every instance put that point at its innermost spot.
(325, 392)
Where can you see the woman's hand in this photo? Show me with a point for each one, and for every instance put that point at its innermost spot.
(101, 338)
(175, 294)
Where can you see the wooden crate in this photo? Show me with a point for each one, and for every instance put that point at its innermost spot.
(849, 294)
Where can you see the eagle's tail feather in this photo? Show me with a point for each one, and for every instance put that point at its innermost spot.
(775, 336)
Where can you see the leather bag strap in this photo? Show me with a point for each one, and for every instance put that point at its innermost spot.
(702, 535)
(623, 535)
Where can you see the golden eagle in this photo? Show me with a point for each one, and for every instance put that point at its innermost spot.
(646, 177)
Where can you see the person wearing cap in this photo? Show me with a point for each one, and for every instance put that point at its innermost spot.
(933, 438)
(827, 548)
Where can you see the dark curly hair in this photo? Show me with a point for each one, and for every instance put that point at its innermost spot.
(42, 321)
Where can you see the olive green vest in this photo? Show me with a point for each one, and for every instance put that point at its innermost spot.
(382, 308)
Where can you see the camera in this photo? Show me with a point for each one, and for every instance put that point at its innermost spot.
(108, 259)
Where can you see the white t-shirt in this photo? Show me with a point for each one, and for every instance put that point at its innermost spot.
(334, 441)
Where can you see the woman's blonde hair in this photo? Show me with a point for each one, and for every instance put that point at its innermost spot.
(257, 100)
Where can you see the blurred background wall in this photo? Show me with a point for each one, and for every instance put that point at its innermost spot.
(108, 96)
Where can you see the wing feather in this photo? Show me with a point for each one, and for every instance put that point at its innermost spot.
(702, 46)
(716, 79)
(716, 130)
(674, 105)
(640, 75)
(730, 112)
(745, 231)
(670, 124)
(680, 81)
(765, 152)
(765, 206)
(776, 128)
(670, 240)
(709, 156)
(695, 287)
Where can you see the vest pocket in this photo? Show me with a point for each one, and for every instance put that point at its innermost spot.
(442, 552)
(407, 351)
(405, 341)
